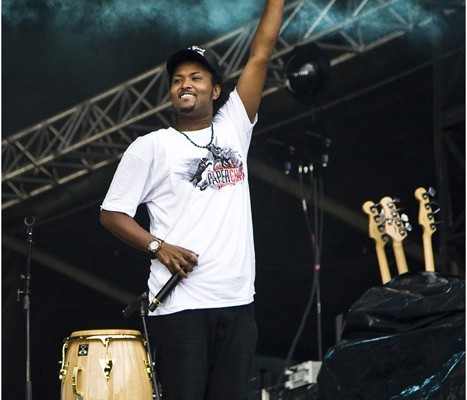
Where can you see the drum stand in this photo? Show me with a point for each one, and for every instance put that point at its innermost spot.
(142, 302)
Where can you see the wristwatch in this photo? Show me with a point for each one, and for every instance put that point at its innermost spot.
(154, 246)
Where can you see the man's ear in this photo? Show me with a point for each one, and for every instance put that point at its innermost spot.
(216, 91)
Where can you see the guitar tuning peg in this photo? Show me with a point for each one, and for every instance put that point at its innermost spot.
(434, 224)
(435, 212)
(431, 191)
(390, 202)
(404, 217)
(408, 226)
(378, 217)
(431, 204)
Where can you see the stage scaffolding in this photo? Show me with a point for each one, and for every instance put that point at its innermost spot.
(94, 133)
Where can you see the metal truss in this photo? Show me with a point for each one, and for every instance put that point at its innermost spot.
(96, 132)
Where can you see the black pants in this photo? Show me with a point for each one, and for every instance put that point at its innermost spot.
(205, 354)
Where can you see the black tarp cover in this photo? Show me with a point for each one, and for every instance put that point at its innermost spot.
(401, 341)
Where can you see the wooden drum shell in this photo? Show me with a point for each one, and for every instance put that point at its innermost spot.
(105, 365)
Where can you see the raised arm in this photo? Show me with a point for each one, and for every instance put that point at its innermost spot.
(251, 83)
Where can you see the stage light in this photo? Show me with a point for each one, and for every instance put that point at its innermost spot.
(307, 72)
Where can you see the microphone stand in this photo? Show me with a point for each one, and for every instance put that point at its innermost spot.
(314, 230)
(142, 301)
(298, 152)
(316, 244)
(143, 314)
(145, 306)
(26, 292)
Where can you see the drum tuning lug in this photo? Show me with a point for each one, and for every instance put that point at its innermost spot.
(149, 369)
(107, 367)
(62, 374)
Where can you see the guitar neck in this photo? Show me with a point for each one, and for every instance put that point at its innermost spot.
(428, 252)
(383, 263)
(396, 227)
(400, 257)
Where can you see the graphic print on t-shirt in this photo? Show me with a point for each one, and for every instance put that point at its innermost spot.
(220, 167)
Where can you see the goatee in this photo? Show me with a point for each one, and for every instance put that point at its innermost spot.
(187, 109)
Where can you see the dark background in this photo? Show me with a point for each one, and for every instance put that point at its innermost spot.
(378, 112)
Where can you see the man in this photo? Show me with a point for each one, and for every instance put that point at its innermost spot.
(193, 180)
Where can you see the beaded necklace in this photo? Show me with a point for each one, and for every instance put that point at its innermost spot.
(197, 145)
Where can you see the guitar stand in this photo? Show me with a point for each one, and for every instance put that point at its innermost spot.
(143, 306)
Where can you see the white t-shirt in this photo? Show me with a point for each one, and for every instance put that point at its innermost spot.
(197, 198)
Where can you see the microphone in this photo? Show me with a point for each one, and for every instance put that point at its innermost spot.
(166, 289)
(134, 304)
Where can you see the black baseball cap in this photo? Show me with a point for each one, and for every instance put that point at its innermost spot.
(195, 53)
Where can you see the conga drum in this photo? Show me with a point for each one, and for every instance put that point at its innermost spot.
(105, 365)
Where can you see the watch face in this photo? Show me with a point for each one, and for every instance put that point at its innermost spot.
(153, 245)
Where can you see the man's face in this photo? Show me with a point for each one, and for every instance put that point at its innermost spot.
(191, 91)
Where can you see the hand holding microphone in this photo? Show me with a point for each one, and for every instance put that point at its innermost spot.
(179, 261)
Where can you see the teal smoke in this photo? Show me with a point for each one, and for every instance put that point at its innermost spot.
(109, 17)
(184, 18)
(421, 19)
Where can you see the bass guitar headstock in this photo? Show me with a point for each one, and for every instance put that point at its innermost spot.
(376, 223)
(377, 232)
(397, 226)
(426, 218)
(426, 215)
